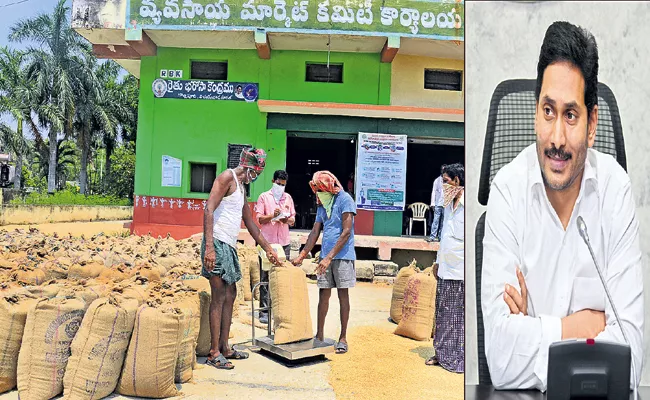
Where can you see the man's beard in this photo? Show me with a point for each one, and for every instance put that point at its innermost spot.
(579, 165)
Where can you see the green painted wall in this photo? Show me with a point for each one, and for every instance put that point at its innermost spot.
(200, 130)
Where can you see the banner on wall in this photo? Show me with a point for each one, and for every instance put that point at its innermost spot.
(381, 172)
(204, 90)
(171, 171)
(436, 19)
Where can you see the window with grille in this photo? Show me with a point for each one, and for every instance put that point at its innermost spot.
(202, 177)
(209, 70)
(443, 80)
(321, 73)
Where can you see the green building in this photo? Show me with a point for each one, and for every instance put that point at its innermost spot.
(301, 80)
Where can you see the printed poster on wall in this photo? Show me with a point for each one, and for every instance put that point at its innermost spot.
(171, 171)
(381, 172)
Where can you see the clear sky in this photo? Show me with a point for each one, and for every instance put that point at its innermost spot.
(12, 11)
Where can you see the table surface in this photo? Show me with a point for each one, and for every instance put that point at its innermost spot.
(487, 392)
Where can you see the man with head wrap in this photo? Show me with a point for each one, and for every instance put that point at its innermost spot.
(335, 216)
(224, 211)
(449, 269)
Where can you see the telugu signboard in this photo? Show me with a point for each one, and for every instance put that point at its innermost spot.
(381, 172)
(441, 20)
(204, 90)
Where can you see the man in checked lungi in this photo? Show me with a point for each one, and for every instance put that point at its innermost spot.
(449, 337)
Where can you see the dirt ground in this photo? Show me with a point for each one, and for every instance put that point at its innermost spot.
(379, 364)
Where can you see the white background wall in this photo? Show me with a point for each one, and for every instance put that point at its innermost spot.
(502, 42)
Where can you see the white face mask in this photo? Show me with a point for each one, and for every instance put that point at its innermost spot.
(277, 191)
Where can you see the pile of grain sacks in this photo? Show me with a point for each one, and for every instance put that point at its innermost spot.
(413, 304)
(79, 314)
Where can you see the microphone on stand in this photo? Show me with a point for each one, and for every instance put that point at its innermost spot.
(582, 229)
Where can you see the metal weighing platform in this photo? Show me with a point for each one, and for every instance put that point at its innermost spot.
(306, 349)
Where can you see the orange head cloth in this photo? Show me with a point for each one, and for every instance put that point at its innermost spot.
(325, 181)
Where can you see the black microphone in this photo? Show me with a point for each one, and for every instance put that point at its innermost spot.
(582, 229)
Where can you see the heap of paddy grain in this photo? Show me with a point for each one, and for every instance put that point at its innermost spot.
(81, 311)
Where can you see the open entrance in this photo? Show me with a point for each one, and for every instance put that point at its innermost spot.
(423, 161)
(311, 152)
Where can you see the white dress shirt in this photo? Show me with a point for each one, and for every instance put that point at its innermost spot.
(451, 254)
(436, 194)
(522, 228)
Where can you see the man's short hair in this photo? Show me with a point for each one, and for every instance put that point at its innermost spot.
(281, 175)
(566, 42)
(454, 171)
(443, 168)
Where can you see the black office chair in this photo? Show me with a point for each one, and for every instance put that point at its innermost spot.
(510, 129)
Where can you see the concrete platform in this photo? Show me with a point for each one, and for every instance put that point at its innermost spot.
(384, 244)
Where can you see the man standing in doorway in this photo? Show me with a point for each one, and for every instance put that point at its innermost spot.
(437, 208)
(335, 217)
(224, 211)
(449, 338)
(276, 213)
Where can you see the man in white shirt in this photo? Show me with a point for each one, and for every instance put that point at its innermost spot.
(449, 340)
(437, 208)
(539, 283)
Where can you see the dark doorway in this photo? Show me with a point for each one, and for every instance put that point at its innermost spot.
(306, 155)
(423, 162)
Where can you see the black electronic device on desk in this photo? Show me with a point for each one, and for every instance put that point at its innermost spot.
(588, 369)
(488, 392)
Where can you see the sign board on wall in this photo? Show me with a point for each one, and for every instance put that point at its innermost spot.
(171, 171)
(381, 172)
(437, 19)
(171, 73)
(205, 90)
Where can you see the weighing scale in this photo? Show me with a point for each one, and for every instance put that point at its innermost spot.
(306, 349)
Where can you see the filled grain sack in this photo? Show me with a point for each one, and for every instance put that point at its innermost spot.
(48, 289)
(28, 275)
(290, 302)
(116, 273)
(254, 269)
(397, 299)
(99, 348)
(150, 363)
(13, 314)
(134, 288)
(151, 272)
(85, 271)
(54, 269)
(189, 304)
(418, 310)
(204, 293)
(244, 254)
(49, 330)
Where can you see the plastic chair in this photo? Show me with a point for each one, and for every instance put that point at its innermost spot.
(419, 211)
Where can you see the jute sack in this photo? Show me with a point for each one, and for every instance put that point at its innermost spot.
(99, 348)
(204, 293)
(116, 273)
(189, 304)
(418, 310)
(87, 271)
(398, 290)
(28, 275)
(141, 376)
(254, 269)
(46, 290)
(13, 313)
(50, 327)
(134, 288)
(244, 255)
(290, 302)
(53, 269)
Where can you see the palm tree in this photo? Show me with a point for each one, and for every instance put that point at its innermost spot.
(15, 96)
(58, 70)
(66, 156)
